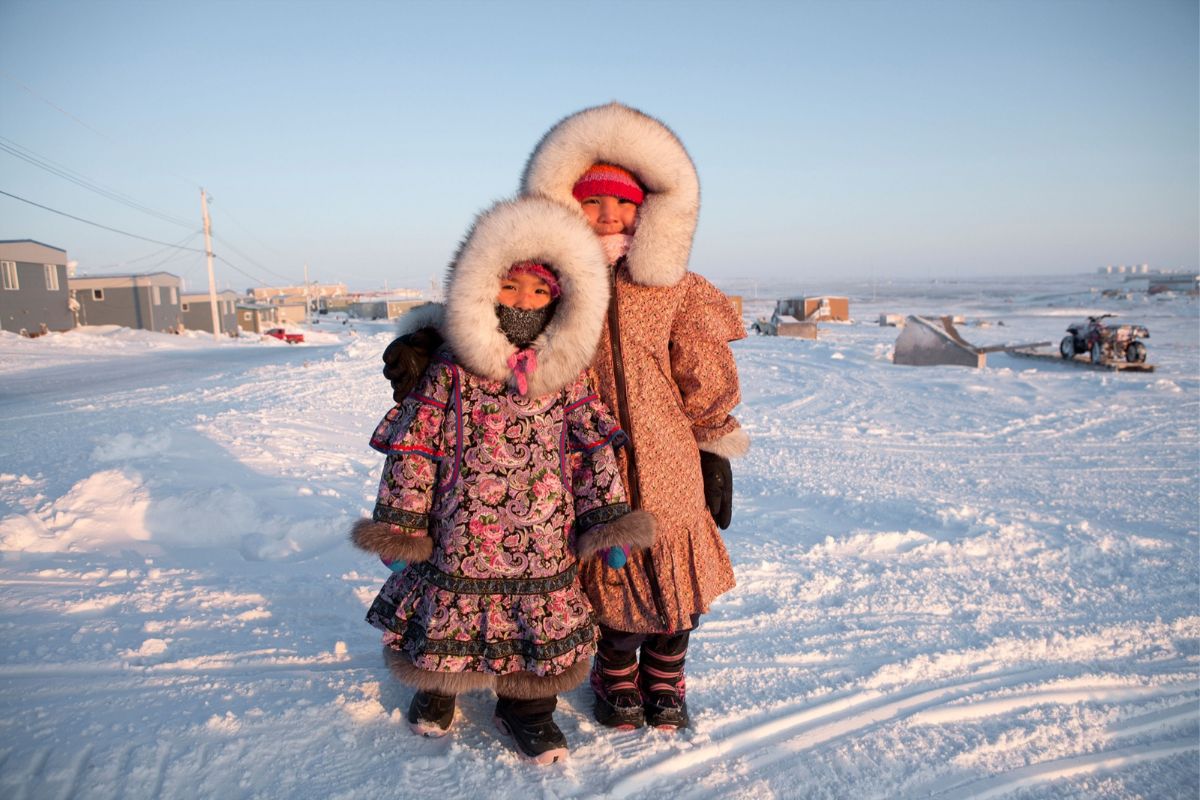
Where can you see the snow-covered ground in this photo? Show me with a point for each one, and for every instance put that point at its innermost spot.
(951, 582)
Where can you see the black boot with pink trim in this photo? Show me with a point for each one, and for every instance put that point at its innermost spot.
(614, 682)
(662, 681)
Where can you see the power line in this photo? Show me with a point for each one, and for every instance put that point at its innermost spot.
(79, 121)
(62, 172)
(174, 254)
(227, 215)
(41, 162)
(107, 193)
(96, 224)
(252, 261)
(255, 278)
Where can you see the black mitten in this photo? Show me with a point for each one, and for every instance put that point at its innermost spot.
(406, 358)
(718, 487)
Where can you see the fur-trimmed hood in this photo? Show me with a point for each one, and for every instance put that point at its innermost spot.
(618, 134)
(537, 229)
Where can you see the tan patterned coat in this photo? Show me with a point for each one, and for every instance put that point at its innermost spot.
(679, 384)
(664, 367)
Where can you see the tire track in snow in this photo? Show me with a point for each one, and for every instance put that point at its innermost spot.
(120, 779)
(787, 732)
(1156, 720)
(1048, 771)
(162, 762)
(1083, 694)
(198, 666)
(33, 776)
(790, 733)
(74, 781)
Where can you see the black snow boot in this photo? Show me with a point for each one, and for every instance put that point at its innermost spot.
(614, 679)
(662, 681)
(531, 725)
(430, 714)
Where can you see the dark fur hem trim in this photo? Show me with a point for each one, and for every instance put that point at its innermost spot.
(635, 529)
(378, 538)
(441, 682)
(520, 685)
(527, 686)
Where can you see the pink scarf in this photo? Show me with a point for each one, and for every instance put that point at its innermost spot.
(522, 363)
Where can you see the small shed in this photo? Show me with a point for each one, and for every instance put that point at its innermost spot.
(825, 308)
(806, 311)
(256, 317)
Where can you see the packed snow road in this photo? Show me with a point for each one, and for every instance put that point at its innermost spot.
(952, 583)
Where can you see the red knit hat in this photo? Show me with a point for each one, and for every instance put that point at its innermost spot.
(609, 179)
(538, 271)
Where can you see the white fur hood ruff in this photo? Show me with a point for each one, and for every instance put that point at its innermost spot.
(618, 134)
(528, 229)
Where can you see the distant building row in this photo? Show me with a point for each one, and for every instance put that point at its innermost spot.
(37, 295)
(1157, 280)
(1124, 269)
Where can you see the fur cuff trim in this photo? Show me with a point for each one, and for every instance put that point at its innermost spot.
(379, 538)
(732, 445)
(427, 315)
(635, 529)
(519, 685)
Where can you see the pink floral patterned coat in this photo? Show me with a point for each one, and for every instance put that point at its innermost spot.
(501, 483)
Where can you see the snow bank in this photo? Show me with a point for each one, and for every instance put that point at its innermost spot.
(951, 582)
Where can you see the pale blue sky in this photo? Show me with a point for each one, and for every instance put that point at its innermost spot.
(839, 139)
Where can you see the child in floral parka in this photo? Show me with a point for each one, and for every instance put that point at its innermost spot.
(500, 478)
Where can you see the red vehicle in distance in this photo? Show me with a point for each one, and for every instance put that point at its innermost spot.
(290, 338)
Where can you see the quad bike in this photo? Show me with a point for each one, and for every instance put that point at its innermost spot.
(1103, 342)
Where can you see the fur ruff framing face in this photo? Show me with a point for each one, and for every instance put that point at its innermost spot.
(528, 229)
(618, 134)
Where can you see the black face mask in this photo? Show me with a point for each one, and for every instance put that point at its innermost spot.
(522, 326)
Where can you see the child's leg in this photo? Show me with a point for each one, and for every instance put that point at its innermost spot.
(531, 724)
(614, 680)
(430, 713)
(662, 681)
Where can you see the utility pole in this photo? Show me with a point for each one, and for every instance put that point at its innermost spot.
(212, 284)
(307, 322)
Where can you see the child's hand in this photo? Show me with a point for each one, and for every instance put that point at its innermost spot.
(405, 360)
(718, 487)
(615, 557)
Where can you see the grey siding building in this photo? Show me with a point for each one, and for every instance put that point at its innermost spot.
(382, 309)
(149, 301)
(34, 296)
(197, 311)
(257, 317)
